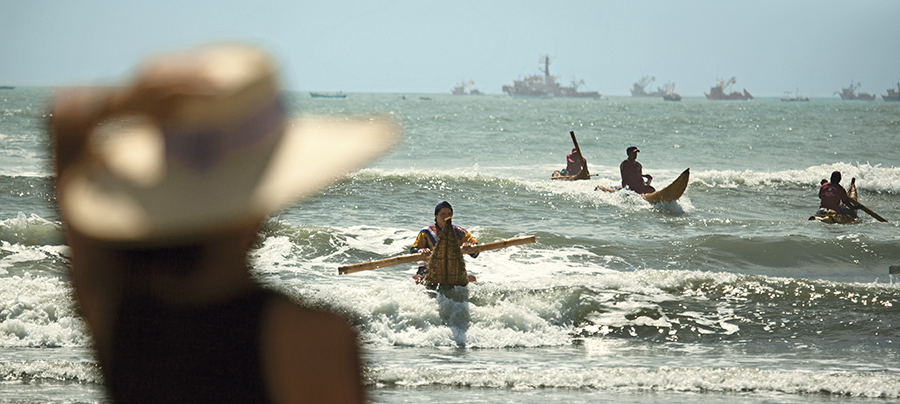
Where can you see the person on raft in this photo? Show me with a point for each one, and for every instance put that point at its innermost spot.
(632, 173)
(574, 163)
(834, 197)
(428, 238)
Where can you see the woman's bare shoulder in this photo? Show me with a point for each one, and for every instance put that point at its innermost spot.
(310, 354)
(291, 317)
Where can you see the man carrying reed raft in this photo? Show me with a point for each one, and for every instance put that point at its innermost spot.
(428, 245)
(441, 245)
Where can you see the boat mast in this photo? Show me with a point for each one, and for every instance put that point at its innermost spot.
(546, 61)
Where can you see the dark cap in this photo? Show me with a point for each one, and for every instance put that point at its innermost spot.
(836, 176)
(631, 149)
(442, 205)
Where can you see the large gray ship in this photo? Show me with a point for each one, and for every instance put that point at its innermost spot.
(545, 86)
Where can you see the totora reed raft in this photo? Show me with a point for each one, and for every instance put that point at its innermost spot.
(447, 266)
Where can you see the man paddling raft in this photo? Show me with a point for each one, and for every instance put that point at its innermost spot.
(837, 205)
(633, 179)
(834, 197)
(633, 173)
(576, 165)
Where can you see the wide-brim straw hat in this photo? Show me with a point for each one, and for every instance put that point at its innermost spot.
(226, 156)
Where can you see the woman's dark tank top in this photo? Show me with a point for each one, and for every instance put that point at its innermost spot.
(163, 353)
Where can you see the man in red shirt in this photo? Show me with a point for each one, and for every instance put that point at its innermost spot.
(834, 197)
(632, 173)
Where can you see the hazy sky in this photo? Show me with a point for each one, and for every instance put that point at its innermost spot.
(771, 46)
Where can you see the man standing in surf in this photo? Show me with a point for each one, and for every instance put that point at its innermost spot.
(632, 173)
(428, 238)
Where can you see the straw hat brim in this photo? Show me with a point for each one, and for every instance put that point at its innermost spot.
(312, 153)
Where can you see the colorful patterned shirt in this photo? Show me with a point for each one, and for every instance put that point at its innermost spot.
(428, 238)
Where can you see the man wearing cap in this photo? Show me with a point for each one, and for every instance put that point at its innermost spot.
(428, 238)
(633, 175)
(162, 185)
(834, 197)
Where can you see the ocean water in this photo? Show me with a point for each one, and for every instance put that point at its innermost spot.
(729, 295)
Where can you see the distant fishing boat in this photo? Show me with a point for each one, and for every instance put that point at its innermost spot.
(849, 94)
(6, 87)
(892, 95)
(788, 98)
(717, 93)
(326, 95)
(639, 89)
(461, 89)
(670, 94)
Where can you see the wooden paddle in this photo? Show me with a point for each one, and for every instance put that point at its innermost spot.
(869, 211)
(404, 259)
(865, 209)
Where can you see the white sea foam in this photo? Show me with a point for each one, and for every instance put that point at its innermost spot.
(643, 379)
(875, 178)
(50, 371)
(30, 230)
(375, 239)
(872, 178)
(38, 312)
